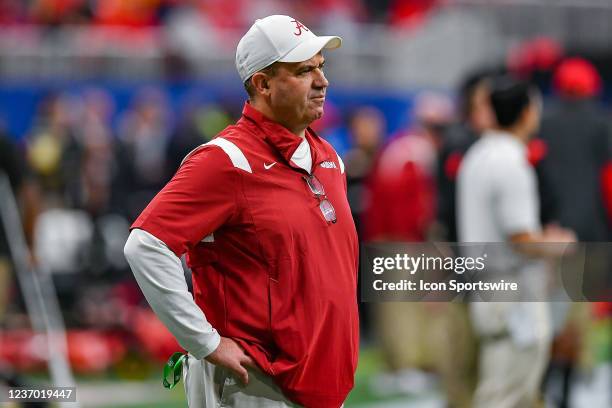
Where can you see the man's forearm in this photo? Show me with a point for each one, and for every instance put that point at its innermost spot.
(543, 244)
(159, 274)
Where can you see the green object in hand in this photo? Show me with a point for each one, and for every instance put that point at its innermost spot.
(174, 367)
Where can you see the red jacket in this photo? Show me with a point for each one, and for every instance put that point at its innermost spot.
(268, 270)
(401, 203)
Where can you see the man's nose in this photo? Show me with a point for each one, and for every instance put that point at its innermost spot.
(320, 81)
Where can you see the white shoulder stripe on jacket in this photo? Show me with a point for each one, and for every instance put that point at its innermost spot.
(341, 164)
(234, 153)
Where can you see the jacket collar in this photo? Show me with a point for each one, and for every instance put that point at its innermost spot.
(281, 139)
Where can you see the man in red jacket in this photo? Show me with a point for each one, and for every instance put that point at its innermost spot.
(262, 214)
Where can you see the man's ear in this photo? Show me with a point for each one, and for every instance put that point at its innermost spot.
(526, 114)
(261, 83)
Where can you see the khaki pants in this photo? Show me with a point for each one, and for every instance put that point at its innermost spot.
(209, 386)
(514, 353)
(510, 376)
(431, 336)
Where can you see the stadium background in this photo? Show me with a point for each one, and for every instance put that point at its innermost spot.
(85, 84)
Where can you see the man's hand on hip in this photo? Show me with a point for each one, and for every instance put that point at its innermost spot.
(231, 356)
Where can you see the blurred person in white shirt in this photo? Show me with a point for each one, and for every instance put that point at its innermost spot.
(497, 198)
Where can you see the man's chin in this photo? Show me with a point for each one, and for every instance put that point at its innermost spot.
(315, 114)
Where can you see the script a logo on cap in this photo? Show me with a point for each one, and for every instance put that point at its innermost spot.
(299, 26)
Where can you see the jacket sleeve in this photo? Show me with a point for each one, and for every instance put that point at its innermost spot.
(159, 274)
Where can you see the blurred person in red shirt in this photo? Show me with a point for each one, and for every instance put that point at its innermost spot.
(401, 188)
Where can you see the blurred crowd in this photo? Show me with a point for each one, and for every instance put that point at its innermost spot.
(221, 14)
(409, 194)
(81, 180)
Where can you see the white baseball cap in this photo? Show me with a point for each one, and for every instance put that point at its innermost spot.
(278, 38)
